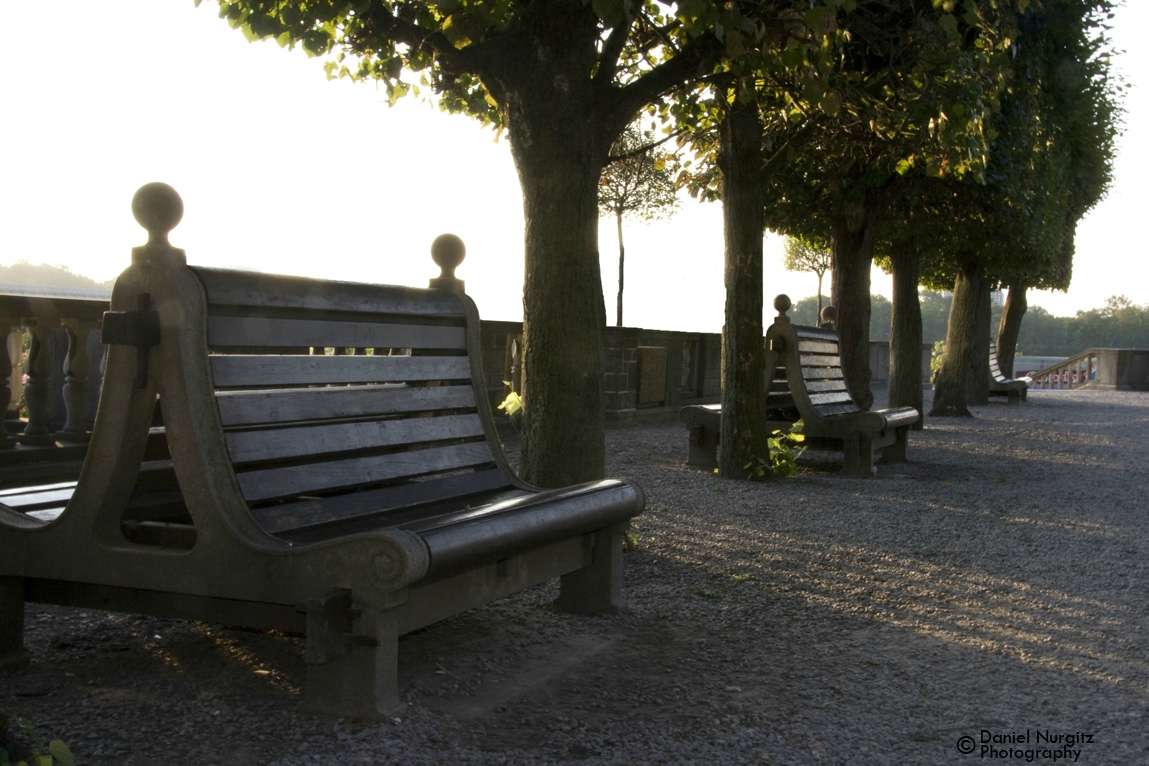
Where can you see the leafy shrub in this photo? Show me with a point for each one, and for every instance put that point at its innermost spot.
(782, 459)
(42, 753)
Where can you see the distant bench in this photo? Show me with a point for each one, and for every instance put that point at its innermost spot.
(807, 384)
(240, 472)
(1013, 389)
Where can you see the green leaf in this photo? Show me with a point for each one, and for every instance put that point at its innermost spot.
(831, 103)
(61, 753)
(690, 9)
(949, 23)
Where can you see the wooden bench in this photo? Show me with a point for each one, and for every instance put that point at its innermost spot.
(1013, 389)
(806, 383)
(239, 474)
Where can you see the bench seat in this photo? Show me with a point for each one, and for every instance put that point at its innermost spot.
(305, 455)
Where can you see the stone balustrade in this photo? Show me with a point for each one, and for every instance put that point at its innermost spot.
(1121, 369)
(649, 373)
(51, 361)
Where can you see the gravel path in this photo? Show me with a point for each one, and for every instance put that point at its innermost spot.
(994, 587)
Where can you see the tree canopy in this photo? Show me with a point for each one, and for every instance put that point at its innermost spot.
(1050, 162)
(800, 255)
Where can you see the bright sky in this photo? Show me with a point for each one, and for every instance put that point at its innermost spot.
(282, 170)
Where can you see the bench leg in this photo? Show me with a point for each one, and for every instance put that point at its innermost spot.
(361, 679)
(896, 452)
(703, 449)
(596, 589)
(12, 654)
(858, 457)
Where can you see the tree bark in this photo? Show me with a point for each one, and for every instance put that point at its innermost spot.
(906, 331)
(977, 382)
(621, 261)
(742, 436)
(560, 129)
(852, 249)
(1009, 328)
(819, 317)
(964, 344)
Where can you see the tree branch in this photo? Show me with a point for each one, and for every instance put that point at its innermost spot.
(688, 63)
(641, 150)
(381, 22)
(611, 52)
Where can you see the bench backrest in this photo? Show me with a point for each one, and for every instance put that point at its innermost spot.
(995, 373)
(338, 404)
(338, 400)
(813, 353)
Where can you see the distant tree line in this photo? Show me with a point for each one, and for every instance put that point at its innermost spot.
(42, 275)
(1120, 323)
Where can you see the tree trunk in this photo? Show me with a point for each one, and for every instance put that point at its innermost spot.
(560, 131)
(852, 254)
(818, 318)
(1010, 328)
(742, 437)
(906, 331)
(621, 260)
(977, 391)
(964, 344)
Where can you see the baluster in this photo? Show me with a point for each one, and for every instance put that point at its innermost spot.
(76, 369)
(36, 394)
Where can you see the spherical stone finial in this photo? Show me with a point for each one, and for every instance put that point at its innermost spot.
(829, 315)
(448, 251)
(782, 304)
(159, 209)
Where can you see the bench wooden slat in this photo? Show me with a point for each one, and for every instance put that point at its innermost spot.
(827, 384)
(806, 332)
(328, 475)
(47, 514)
(31, 498)
(391, 501)
(809, 373)
(260, 291)
(817, 347)
(301, 441)
(240, 408)
(834, 397)
(278, 332)
(230, 370)
(820, 360)
(826, 410)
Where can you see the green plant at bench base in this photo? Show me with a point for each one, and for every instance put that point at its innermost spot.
(513, 406)
(782, 459)
(43, 753)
